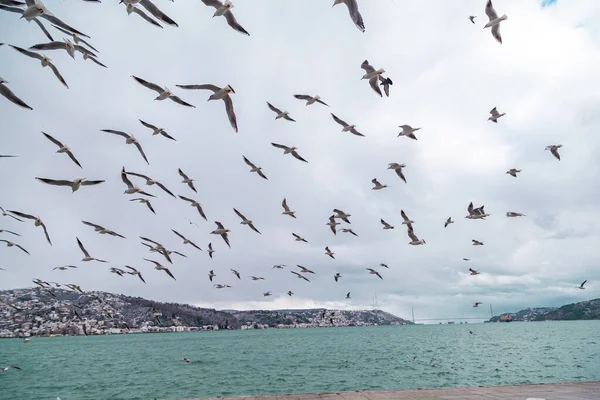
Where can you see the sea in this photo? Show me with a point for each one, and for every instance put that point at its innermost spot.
(280, 361)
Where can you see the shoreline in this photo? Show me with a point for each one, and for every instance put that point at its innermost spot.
(542, 391)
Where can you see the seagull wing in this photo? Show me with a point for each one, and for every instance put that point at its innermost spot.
(554, 152)
(230, 112)
(120, 133)
(147, 84)
(262, 175)
(339, 121)
(367, 67)
(151, 209)
(43, 28)
(496, 33)
(233, 23)
(214, 88)
(147, 125)
(489, 10)
(165, 134)
(201, 212)
(92, 224)
(91, 183)
(163, 187)
(254, 228)
(145, 16)
(373, 82)
(27, 52)
(96, 61)
(60, 23)
(22, 215)
(178, 100)
(82, 248)
(57, 74)
(404, 216)
(213, 3)
(139, 147)
(279, 146)
(297, 156)
(168, 272)
(240, 215)
(19, 246)
(10, 96)
(72, 157)
(385, 223)
(219, 225)
(55, 182)
(355, 14)
(126, 180)
(273, 108)
(249, 162)
(411, 235)
(152, 9)
(400, 174)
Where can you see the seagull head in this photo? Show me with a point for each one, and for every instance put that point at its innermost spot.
(2, 80)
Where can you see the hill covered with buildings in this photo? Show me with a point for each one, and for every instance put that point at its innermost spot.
(584, 310)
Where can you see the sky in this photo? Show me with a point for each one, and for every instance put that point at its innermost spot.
(447, 75)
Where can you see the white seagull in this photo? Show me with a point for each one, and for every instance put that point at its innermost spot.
(513, 172)
(310, 99)
(10, 96)
(162, 93)
(45, 61)
(131, 188)
(347, 127)
(378, 186)
(219, 94)
(74, 185)
(129, 139)
(329, 252)
(256, 169)
(495, 115)
(494, 21)
(289, 150)
(354, 13)
(408, 131)
(415, 241)
(286, 209)
(246, 221)
(512, 214)
(332, 223)
(554, 150)
(448, 222)
(224, 9)
(280, 114)
(372, 75)
(222, 231)
(157, 131)
(86, 254)
(398, 169)
(62, 149)
(386, 225)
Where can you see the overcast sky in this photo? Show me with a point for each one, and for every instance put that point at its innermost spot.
(447, 74)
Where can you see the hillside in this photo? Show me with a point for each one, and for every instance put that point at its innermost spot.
(584, 310)
(37, 312)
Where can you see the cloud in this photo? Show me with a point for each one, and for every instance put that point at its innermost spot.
(447, 74)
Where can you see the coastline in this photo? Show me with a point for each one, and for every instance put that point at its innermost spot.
(542, 391)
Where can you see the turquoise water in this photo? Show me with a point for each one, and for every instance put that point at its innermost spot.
(273, 361)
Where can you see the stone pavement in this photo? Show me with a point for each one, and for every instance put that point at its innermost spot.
(552, 391)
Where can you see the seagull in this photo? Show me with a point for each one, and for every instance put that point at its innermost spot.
(221, 231)
(152, 9)
(332, 223)
(350, 231)
(300, 276)
(342, 215)
(236, 273)
(224, 9)
(150, 182)
(4, 369)
(337, 276)
(305, 270)
(372, 75)
(408, 131)
(135, 272)
(329, 252)
(219, 286)
(37, 222)
(398, 169)
(7, 231)
(287, 209)
(476, 242)
(448, 222)
(384, 265)
(290, 293)
(466, 259)
(146, 202)
(378, 186)
(46, 62)
(76, 38)
(373, 272)
(246, 221)
(510, 214)
(86, 254)
(62, 149)
(386, 225)
(474, 271)
(472, 18)
(279, 266)
(219, 94)
(310, 99)
(476, 213)
(186, 240)
(257, 278)
(186, 179)
(513, 172)
(194, 203)
(581, 286)
(66, 45)
(159, 267)
(495, 115)
(162, 93)
(554, 150)
(102, 230)
(211, 275)
(494, 21)
(185, 360)
(11, 244)
(129, 139)
(289, 150)
(157, 131)
(415, 241)
(131, 8)
(386, 83)
(477, 304)
(131, 189)
(10, 96)
(280, 114)
(354, 14)
(74, 185)
(210, 250)
(299, 239)
(407, 221)
(346, 126)
(256, 169)
(117, 271)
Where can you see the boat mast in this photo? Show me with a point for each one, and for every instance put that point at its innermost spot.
(413, 314)
(491, 312)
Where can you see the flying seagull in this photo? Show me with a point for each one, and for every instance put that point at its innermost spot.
(448, 222)
(66, 45)
(157, 131)
(378, 186)
(398, 169)
(348, 295)
(494, 21)
(210, 250)
(134, 272)
(146, 202)
(129, 139)
(74, 185)
(76, 38)
(194, 203)
(513, 172)
(211, 275)
(299, 238)
(37, 222)
(372, 75)
(406, 220)
(290, 293)
(219, 94)
(233, 271)
(159, 267)
(10, 96)
(102, 230)
(162, 93)
(342, 215)
(554, 150)
(289, 150)
(7, 231)
(347, 127)
(512, 214)
(131, 188)
(476, 242)
(64, 268)
(337, 276)
(354, 13)
(131, 8)
(472, 18)
(476, 213)
(350, 231)
(150, 182)
(386, 225)
(256, 169)
(332, 223)
(286, 209)
(310, 99)
(45, 61)
(495, 115)
(267, 294)
(280, 114)
(62, 148)
(222, 231)
(188, 180)
(186, 240)
(415, 241)
(384, 265)
(4, 369)
(246, 221)
(476, 304)
(386, 83)
(582, 283)
(329, 252)
(11, 244)
(373, 272)
(408, 131)
(305, 270)
(473, 271)
(300, 276)
(86, 254)
(224, 9)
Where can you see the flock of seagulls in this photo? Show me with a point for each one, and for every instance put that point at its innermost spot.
(339, 221)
